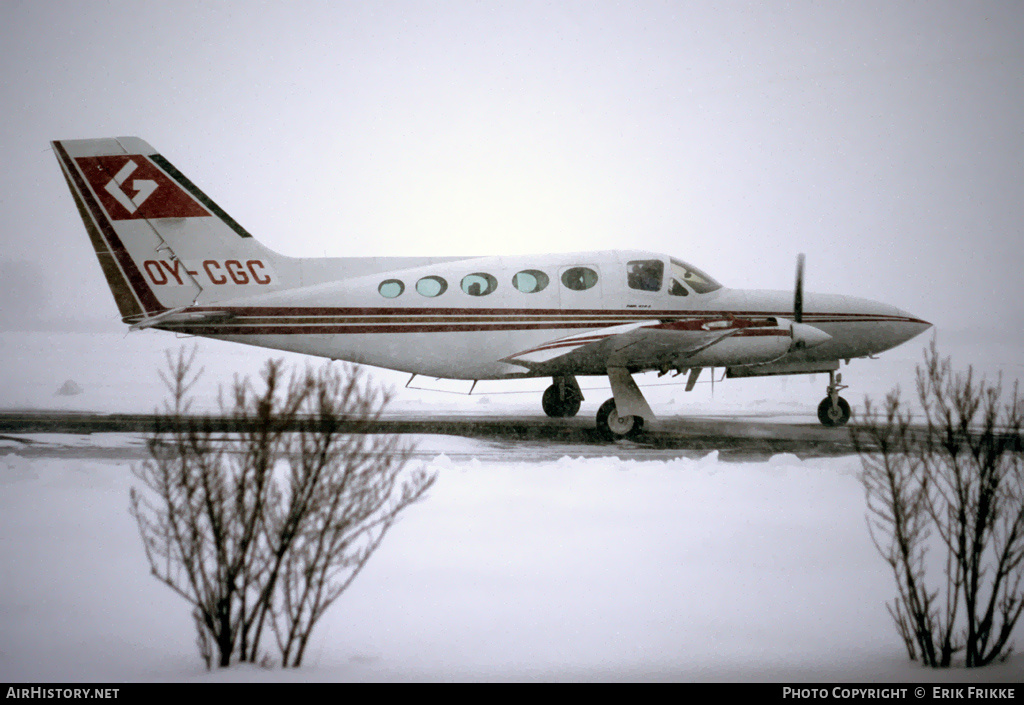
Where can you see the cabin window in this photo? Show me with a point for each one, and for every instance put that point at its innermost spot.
(692, 277)
(530, 281)
(479, 284)
(579, 278)
(431, 286)
(645, 274)
(391, 288)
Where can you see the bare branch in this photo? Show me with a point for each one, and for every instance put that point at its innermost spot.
(268, 524)
(962, 482)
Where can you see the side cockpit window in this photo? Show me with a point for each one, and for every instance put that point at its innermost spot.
(683, 276)
(645, 274)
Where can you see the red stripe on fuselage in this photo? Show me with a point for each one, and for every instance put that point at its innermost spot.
(241, 328)
(402, 322)
(473, 313)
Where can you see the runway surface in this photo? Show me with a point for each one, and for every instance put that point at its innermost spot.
(497, 437)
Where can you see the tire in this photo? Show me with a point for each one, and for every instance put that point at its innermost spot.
(833, 416)
(612, 427)
(558, 408)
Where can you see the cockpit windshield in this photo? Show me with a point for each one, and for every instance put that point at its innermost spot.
(692, 277)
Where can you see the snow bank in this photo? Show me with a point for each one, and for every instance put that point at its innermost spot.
(593, 568)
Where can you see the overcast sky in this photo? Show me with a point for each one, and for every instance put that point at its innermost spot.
(885, 140)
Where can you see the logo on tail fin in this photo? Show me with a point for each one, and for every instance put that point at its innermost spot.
(155, 195)
(143, 187)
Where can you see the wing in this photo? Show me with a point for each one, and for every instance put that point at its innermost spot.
(644, 344)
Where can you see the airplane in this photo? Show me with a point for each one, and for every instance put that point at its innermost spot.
(175, 261)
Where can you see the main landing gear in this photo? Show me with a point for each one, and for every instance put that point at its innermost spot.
(624, 414)
(612, 426)
(563, 398)
(833, 409)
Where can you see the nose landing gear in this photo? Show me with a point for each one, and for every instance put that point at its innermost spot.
(833, 409)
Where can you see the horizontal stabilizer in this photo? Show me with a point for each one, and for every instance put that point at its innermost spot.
(182, 315)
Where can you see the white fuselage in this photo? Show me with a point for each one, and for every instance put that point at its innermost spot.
(483, 316)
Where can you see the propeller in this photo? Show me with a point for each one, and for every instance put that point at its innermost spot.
(798, 294)
(804, 335)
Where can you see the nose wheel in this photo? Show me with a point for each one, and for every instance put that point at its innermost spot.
(833, 409)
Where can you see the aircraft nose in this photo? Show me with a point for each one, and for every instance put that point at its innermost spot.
(895, 326)
(910, 326)
(860, 327)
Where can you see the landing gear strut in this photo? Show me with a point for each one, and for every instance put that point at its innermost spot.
(623, 415)
(833, 409)
(562, 399)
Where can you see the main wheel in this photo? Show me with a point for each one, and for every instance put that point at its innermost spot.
(612, 426)
(557, 407)
(830, 415)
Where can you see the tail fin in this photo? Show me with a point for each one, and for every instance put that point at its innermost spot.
(161, 242)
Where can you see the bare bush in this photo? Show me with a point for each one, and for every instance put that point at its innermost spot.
(946, 497)
(261, 518)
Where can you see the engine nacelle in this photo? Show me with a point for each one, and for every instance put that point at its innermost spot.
(754, 341)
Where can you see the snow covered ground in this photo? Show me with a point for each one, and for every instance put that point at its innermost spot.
(589, 569)
(574, 569)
